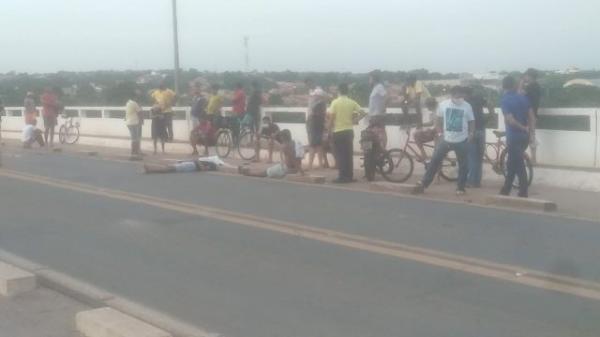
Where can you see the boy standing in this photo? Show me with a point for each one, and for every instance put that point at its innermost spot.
(456, 121)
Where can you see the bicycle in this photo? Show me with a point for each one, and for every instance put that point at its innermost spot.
(247, 142)
(69, 131)
(409, 153)
(224, 137)
(375, 158)
(499, 155)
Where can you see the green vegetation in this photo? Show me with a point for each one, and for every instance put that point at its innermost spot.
(113, 88)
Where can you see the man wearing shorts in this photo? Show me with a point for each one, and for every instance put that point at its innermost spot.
(268, 130)
(158, 128)
(165, 99)
(197, 165)
(293, 153)
(50, 110)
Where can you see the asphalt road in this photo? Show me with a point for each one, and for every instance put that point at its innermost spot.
(245, 281)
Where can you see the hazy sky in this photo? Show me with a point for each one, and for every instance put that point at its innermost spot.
(314, 35)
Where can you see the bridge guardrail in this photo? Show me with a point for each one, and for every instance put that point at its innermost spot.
(568, 137)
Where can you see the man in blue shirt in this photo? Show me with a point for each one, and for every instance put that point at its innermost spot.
(519, 120)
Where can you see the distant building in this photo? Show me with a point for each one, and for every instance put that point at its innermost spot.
(568, 71)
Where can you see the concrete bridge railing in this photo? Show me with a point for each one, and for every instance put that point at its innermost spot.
(567, 137)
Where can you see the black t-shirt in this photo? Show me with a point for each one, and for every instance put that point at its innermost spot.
(533, 91)
(477, 103)
(254, 103)
(199, 108)
(269, 130)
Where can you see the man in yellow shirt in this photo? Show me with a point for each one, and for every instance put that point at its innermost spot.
(413, 93)
(343, 112)
(165, 99)
(215, 103)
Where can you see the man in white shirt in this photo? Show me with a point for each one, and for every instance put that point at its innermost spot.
(378, 98)
(456, 121)
(31, 135)
(134, 121)
(378, 101)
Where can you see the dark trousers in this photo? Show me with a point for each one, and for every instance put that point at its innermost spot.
(343, 142)
(417, 105)
(441, 151)
(169, 126)
(476, 150)
(515, 167)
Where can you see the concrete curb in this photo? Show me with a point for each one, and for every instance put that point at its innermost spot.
(108, 322)
(392, 187)
(534, 204)
(97, 297)
(307, 179)
(15, 281)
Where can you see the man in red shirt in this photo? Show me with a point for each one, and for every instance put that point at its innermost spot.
(239, 100)
(239, 108)
(50, 110)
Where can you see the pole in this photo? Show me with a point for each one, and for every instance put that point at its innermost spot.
(246, 50)
(176, 46)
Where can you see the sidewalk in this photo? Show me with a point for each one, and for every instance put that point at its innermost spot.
(41, 312)
(575, 192)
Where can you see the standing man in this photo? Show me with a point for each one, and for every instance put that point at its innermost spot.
(30, 109)
(239, 108)
(413, 91)
(456, 121)
(253, 114)
(476, 147)
(198, 110)
(343, 112)
(378, 101)
(533, 91)
(50, 110)
(315, 123)
(134, 121)
(165, 99)
(520, 121)
(215, 103)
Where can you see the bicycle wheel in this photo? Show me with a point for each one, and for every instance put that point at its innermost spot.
(396, 166)
(247, 145)
(491, 156)
(62, 134)
(528, 168)
(449, 168)
(224, 143)
(71, 135)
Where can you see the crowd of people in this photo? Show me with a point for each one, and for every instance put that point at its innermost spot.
(51, 109)
(455, 124)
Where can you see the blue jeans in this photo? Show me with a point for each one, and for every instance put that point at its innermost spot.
(515, 167)
(441, 150)
(476, 150)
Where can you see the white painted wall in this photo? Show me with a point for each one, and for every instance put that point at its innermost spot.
(562, 148)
